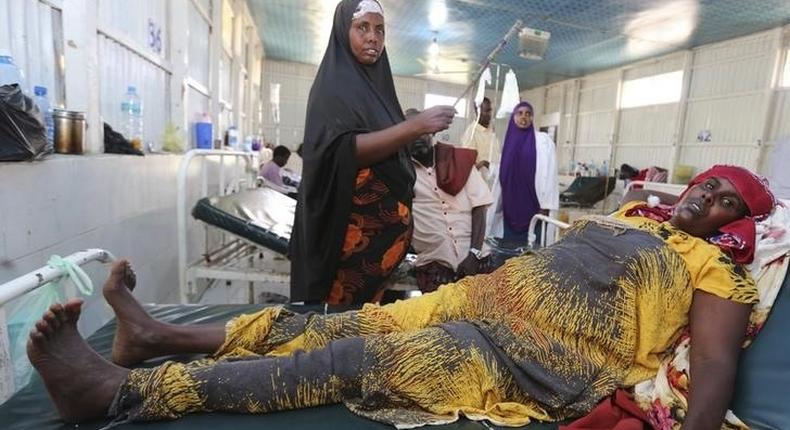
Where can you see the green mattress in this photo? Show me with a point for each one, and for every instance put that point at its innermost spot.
(30, 408)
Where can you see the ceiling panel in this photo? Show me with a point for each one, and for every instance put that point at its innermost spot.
(586, 36)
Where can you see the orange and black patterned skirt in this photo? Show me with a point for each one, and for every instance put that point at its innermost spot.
(378, 235)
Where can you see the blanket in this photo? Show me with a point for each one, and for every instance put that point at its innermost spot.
(664, 398)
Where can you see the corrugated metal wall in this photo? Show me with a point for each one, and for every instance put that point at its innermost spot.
(145, 24)
(120, 67)
(198, 99)
(595, 119)
(199, 33)
(731, 93)
(133, 51)
(133, 48)
(32, 31)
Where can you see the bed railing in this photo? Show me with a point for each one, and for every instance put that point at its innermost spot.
(544, 228)
(37, 278)
(674, 189)
(663, 187)
(19, 287)
(242, 176)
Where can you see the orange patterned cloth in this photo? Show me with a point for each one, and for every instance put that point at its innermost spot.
(376, 240)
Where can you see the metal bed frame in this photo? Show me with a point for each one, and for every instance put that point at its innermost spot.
(19, 287)
(234, 258)
(655, 186)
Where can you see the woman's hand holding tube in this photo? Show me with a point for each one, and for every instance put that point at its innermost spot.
(376, 146)
(435, 119)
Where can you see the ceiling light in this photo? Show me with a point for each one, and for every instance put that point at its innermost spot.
(672, 23)
(438, 13)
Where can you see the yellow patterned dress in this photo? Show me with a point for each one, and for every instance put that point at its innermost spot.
(544, 337)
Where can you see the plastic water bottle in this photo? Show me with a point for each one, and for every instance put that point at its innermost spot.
(132, 118)
(605, 168)
(46, 111)
(9, 72)
(233, 137)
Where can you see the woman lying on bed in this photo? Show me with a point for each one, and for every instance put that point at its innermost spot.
(544, 337)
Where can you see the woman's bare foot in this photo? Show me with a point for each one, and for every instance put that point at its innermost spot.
(80, 382)
(138, 337)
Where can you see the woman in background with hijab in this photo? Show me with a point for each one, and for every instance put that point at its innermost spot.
(353, 216)
(528, 175)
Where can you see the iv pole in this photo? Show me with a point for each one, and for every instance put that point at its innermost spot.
(517, 26)
(490, 58)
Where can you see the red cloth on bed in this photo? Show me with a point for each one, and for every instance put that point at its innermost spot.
(616, 412)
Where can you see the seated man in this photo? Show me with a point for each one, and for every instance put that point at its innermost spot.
(271, 170)
(545, 337)
(450, 201)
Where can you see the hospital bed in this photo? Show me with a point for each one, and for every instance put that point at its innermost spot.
(31, 408)
(246, 227)
(253, 218)
(762, 388)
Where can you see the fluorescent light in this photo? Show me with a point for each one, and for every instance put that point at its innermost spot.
(669, 23)
(438, 13)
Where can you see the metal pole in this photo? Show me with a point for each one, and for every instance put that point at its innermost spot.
(512, 32)
(37, 278)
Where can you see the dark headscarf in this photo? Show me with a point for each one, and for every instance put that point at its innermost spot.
(517, 174)
(347, 99)
(738, 237)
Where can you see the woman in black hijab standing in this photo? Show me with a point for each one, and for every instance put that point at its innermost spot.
(353, 215)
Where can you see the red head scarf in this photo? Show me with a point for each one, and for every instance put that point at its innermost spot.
(738, 237)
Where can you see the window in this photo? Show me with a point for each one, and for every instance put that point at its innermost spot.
(432, 100)
(786, 74)
(652, 90)
(228, 17)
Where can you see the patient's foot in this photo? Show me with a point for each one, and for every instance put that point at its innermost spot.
(80, 382)
(137, 335)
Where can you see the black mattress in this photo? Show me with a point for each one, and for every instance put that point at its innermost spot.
(30, 408)
(262, 216)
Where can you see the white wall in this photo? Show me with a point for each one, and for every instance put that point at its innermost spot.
(87, 52)
(123, 204)
(295, 80)
(730, 88)
(32, 32)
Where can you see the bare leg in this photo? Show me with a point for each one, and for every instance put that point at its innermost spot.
(80, 382)
(139, 337)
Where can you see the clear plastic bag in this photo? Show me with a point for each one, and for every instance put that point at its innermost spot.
(23, 312)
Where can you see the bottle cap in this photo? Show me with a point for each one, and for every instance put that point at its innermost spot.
(131, 89)
(40, 91)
